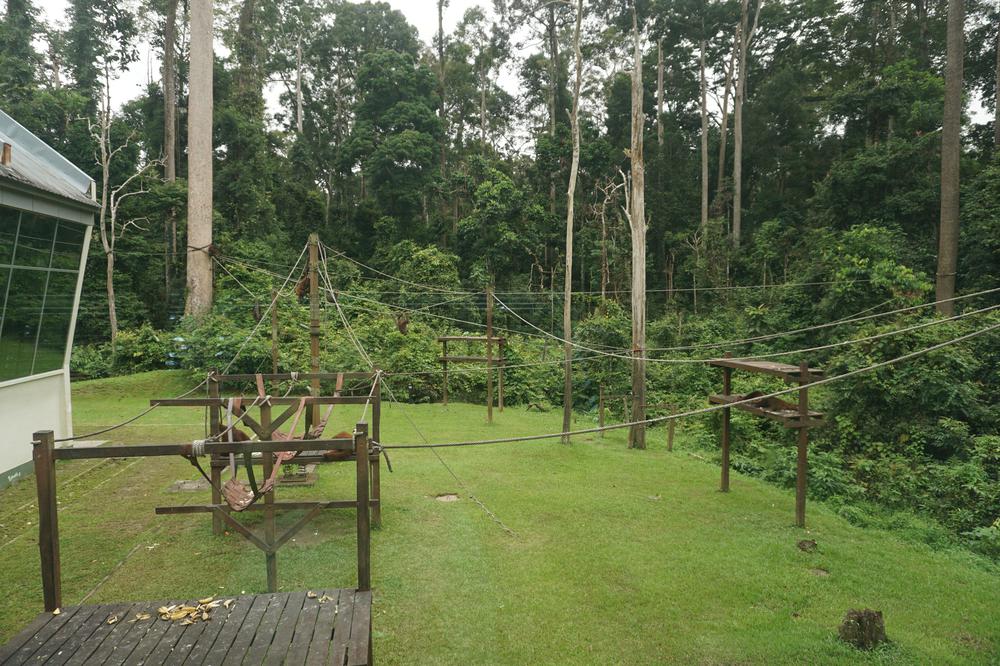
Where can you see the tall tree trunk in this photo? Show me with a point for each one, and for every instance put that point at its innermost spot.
(199, 261)
(109, 276)
(738, 128)
(298, 85)
(574, 120)
(704, 140)
(553, 36)
(659, 93)
(996, 103)
(724, 123)
(745, 35)
(170, 137)
(637, 219)
(170, 93)
(951, 151)
(441, 90)
(482, 106)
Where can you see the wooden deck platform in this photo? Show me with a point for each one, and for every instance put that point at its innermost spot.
(332, 627)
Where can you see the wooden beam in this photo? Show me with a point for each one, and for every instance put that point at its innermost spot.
(43, 449)
(489, 355)
(314, 330)
(275, 400)
(364, 518)
(153, 450)
(802, 464)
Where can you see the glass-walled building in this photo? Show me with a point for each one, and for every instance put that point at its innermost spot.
(46, 218)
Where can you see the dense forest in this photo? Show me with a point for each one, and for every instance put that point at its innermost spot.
(797, 163)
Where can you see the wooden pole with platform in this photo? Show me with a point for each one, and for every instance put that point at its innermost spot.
(791, 415)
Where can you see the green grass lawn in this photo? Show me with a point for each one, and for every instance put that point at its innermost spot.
(616, 556)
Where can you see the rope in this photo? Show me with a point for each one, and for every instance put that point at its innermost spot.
(392, 397)
(790, 352)
(746, 340)
(705, 410)
(236, 279)
(203, 382)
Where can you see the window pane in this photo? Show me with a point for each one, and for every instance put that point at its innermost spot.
(34, 242)
(20, 323)
(4, 276)
(55, 322)
(8, 229)
(69, 245)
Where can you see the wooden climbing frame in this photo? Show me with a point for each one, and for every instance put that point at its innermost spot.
(45, 455)
(265, 424)
(791, 415)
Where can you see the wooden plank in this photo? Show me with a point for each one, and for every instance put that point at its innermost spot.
(40, 637)
(233, 655)
(188, 639)
(109, 639)
(231, 623)
(342, 627)
(785, 415)
(303, 636)
(358, 648)
(137, 631)
(301, 376)
(152, 637)
(281, 506)
(463, 359)
(265, 629)
(25, 635)
(214, 627)
(319, 648)
(786, 371)
(163, 650)
(85, 632)
(469, 338)
(282, 636)
(100, 634)
(53, 648)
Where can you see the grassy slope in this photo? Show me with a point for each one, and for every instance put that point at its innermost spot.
(618, 556)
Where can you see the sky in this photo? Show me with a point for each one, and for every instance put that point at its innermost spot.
(420, 13)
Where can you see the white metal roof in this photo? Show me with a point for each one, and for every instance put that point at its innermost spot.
(37, 165)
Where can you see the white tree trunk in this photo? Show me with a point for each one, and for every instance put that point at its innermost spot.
(199, 261)
(574, 120)
(738, 128)
(704, 141)
(724, 123)
(659, 93)
(637, 218)
(298, 85)
(951, 152)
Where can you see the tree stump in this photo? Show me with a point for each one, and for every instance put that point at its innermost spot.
(864, 629)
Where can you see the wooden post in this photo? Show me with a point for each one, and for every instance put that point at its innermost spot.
(314, 390)
(267, 459)
(376, 485)
(802, 462)
(215, 473)
(489, 355)
(364, 519)
(43, 454)
(600, 406)
(501, 360)
(444, 363)
(727, 389)
(670, 434)
(274, 331)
